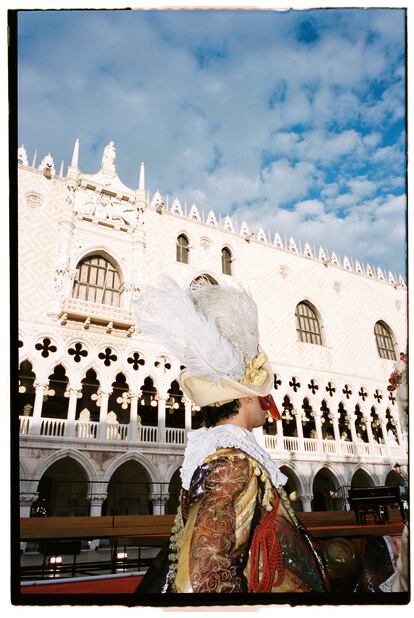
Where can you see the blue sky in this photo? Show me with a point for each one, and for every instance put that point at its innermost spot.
(290, 120)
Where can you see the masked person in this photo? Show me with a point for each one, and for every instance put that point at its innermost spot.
(235, 530)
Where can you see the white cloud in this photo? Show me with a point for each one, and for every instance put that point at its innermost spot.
(362, 186)
(135, 78)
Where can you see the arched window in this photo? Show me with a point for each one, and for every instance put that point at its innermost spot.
(201, 280)
(226, 260)
(183, 249)
(307, 324)
(384, 341)
(98, 281)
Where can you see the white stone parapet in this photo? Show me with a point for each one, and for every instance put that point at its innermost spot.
(76, 308)
(55, 428)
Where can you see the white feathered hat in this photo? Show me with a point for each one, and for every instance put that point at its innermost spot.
(213, 331)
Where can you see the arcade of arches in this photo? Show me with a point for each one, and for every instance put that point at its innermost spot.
(65, 490)
(59, 399)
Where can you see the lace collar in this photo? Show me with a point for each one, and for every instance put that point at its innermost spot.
(203, 442)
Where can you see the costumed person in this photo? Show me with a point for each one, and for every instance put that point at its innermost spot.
(235, 530)
(398, 383)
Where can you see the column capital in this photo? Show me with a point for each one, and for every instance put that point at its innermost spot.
(104, 392)
(27, 498)
(157, 498)
(40, 386)
(135, 394)
(74, 388)
(97, 499)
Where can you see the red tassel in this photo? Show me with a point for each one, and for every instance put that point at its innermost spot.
(265, 544)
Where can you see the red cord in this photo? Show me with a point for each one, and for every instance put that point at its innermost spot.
(265, 543)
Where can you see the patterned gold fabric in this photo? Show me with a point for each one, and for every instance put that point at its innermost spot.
(235, 532)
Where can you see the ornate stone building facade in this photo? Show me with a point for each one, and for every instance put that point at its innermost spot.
(103, 422)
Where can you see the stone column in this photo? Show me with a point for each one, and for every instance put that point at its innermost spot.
(37, 410)
(399, 433)
(103, 412)
(335, 425)
(96, 501)
(307, 503)
(161, 418)
(188, 406)
(159, 502)
(133, 417)
(299, 429)
(384, 433)
(318, 426)
(95, 510)
(279, 434)
(26, 501)
(70, 422)
(352, 429)
(371, 441)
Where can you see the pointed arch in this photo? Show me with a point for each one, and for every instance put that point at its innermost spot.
(309, 326)
(182, 248)
(99, 279)
(385, 340)
(150, 468)
(88, 466)
(226, 261)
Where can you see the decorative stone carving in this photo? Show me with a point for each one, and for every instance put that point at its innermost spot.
(292, 246)
(205, 243)
(47, 166)
(284, 271)
(337, 285)
(159, 498)
(228, 225)
(176, 207)
(158, 203)
(22, 156)
(307, 250)
(109, 154)
(211, 218)
(96, 499)
(194, 213)
(106, 207)
(244, 230)
(33, 200)
(70, 197)
(277, 241)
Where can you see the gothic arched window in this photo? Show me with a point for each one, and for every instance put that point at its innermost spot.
(384, 341)
(98, 281)
(183, 249)
(226, 260)
(307, 324)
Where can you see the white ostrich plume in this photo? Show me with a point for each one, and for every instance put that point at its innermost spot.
(211, 330)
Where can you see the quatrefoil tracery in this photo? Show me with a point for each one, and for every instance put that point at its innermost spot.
(46, 347)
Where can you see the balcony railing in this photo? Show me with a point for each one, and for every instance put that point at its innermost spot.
(52, 427)
(79, 309)
(84, 430)
(175, 436)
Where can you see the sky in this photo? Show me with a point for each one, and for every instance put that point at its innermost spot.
(293, 121)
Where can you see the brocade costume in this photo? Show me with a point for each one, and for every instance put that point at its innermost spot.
(235, 530)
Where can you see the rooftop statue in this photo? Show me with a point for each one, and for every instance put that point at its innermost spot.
(108, 156)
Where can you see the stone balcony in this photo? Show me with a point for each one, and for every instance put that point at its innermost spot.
(128, 434)
(98, 313)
